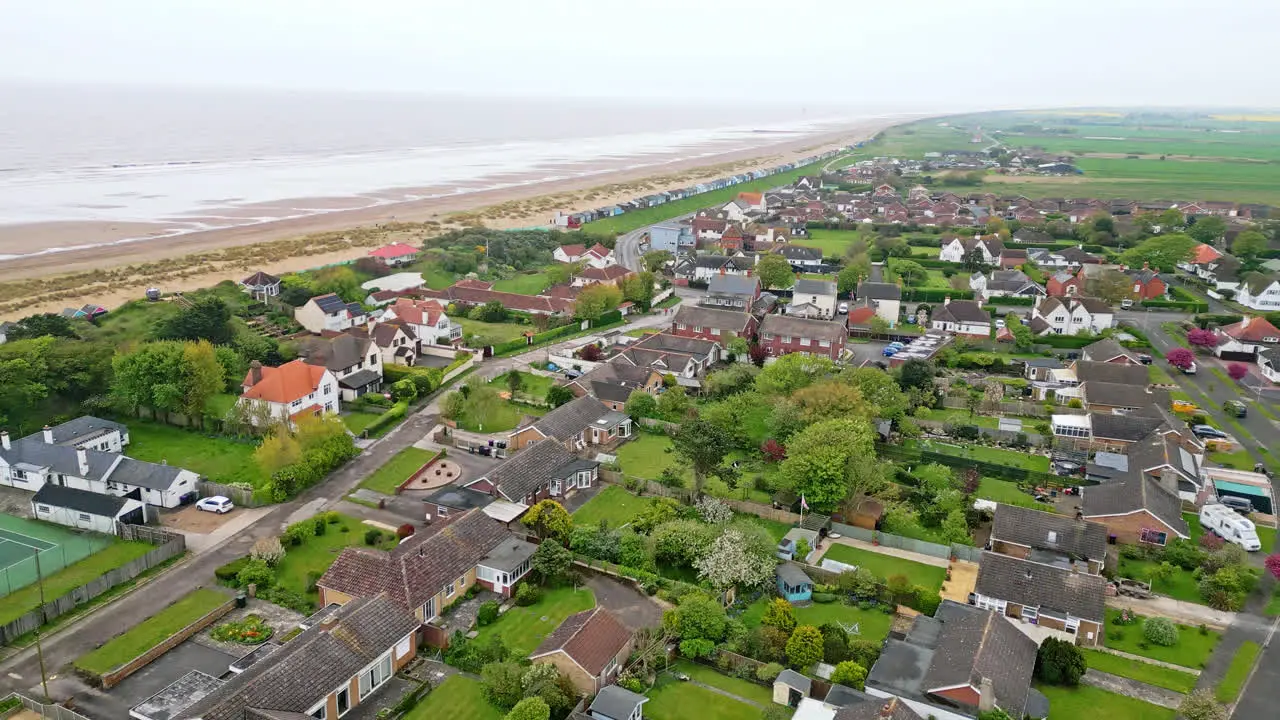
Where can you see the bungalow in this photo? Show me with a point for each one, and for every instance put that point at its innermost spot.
(1048, 596)
(783, 334)
(1068, 316)
(329, 312)
(886, 298)
(1246, 338)
(1269, 364)
(590, 647)
(576, 424)
(476, 292)
(431, 569)
(545, 470)
(1201, 255)
(289, 391)
(1012, 258)
(1049, 539)
(712, 324)
(612, 383)
(396, 254)
(354, 362)
(426, 319)
(802, 259)
(261, 286)
(793, 583)
(597, 256)
(1004, 283)
(1137, 510)
(86, 510)
(684, 357)
(1259, 292)
(813, 299)
(1108, 350)
(962, 317)
(609, 274)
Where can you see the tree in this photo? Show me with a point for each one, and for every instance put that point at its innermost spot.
(835, 643)
(1022, 336)
(849, 674)
(911, 272)
(551, 561)
(703, 446)
(1170, 219)
(530, 708)
(1112, 286)
(804, 648)
(1180, 358)
(673, 404)
(596, 300)
(791, 372)
(1059, 662)
(491, 312)
(1237, 371)
(1160, 631)
(1272, 564)
(974, 261)
(641, 404)
(45, 324)
(207, 318)
(501, 683)
(828, 461)
(514, 380)
(558, 395)
(883, 396)
(1202, 338)
(877, 325)
(730, 562)
(1202, 705)
(758, 354)
(549, 520)
(829, 400)
(697, 617)
(559, 273)
(202, 377)
(775, 272)
(773, 450)
(655, 260)
(168, 376)
(731, 381)
(916, 374)
(638, 288)
(1162, 252)
(738, 348)
(1249, 244)
(1207, 228)
(853, 273)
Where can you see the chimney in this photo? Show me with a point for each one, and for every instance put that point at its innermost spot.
(48, 434)
(255, 373)
(82, 458)
(4, 439)
(1146, 265)
(1169, 480)
(721, 269)
(986, 696)
(886, 710)
(946, 300)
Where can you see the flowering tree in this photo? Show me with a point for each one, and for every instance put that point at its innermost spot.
(714, 511)
(1237, 371)
(773, 450)
(1180, 358)
(1203, 338)
(730, 562)
(1273, 565)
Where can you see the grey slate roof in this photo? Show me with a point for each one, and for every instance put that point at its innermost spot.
(791, 574)
(701, 316)
(33, 451)
(79, 500)
(879, 291)
(961, 311)
(82, 429)
(798, 327)
(359, 379)
(797, 253)
(530, 468)
(1104, 350)
(571, 418)
(458, 498)
(733, 285)
(1032, 528)
(814, 287)
(871, 708)
(144, 474)
(666, 342)
(309, 667)
(616, 702)
(335, 353)
(1121, 373)
(509, 554)
(1131, 428)
(1123, 396)
(1137, 492)
(1041, 586)
(793, 679)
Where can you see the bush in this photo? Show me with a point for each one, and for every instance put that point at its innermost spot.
(823, 598)
(1059, 662)
(487, 613)
(1160, 631)
(227, 573)
(255, 572)
(527, 594)
(298, 533)
(252, 630)
(849, 674)
(697, 648)
(372, 536)
(321, 527)
(404, 531)
(268, 550)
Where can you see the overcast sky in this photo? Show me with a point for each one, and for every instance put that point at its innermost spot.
(928, 54)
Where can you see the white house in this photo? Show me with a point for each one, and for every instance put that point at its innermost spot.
(329, 312)
(86, 510)
(736, 210)
(813, 299)
(885, 297)
(597, 256)
(1269, 364)
(955, 250)
(427, 319)
(962, 317)
(354, 361)
(292, 390)
(1259, 292)
(397, 342)
(1248, 336)
(1067, 316)
(1002, 283)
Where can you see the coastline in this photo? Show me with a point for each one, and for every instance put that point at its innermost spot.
(111, 274)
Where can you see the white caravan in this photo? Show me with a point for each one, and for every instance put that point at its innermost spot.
(1227, 524)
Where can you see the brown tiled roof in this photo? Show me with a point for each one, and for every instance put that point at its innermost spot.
(591, 638)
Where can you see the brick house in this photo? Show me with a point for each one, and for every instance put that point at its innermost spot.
(1047, 596)
(709, 323)
(1065, 284)
(1146, 284)
(544, 470)
(613, 383)
(1049, 538)
(783, 334)
(732, 239)
(575, 425)
(1136, 511)
(590, 647)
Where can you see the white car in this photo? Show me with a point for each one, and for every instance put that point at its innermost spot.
(217, 504)
(844, 308)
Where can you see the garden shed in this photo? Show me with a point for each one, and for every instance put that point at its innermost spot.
(793, 583)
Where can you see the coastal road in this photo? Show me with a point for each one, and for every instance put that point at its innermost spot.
(629, 247)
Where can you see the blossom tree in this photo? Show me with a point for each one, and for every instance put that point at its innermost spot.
(730, 561)
(1237, 371)
(1203, 338)
(1273, 565)
(1180, 358)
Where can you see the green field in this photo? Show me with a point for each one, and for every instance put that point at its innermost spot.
(1158, 675)
(1192, 650)
(612, 505)
(220, 459)
(995, 456)
(1182, 585)
(492, 333)
(1004, 491)
(1087, 701)
(524, 283)
(872, 624)
(523, 628)
(501, 416)
(532, 386)
(458, 698)
(151, 632)
(672, 699)
(399, 468)
(640, 218)
(833, 243)
(886, 566)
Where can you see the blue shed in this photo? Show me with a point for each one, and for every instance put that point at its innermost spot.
(794, 585)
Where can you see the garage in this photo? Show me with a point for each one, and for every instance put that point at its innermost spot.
(86, 510)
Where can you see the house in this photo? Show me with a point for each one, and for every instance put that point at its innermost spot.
(885, 297)
(1146, 284)
(1223, 273)
(1048, 596)
(736, 210)
(395, 255)
(732, 292)
(732, 239)
(590, 647)
(1269, 364)
(956, 250)
(616, 703)
(395, 340)
(292, 390)
(1012, 258)
(569, 253)
(1077, 257)
(1041, 369)
(426, 319)
(86, 510)
(813, 299)
(783, 334)
(708, 228)
(1137, 510)
(609, 274)
(1242, 340)
(712, 324)
(671, 236)
(353, 360)
(793, 583)
(1108, 350)
(597, 256)
(1004, 283)
(684, 357)
(1065, 284)
(261, 286)
(1031, 235)
(1259, 292)
(1070, 315)
(544, 470)
(1105, 397)
(704, 267)
(612, 383)
(470, 293)
(961, 659)
(962, 317)
(1201, 255)
(398, 283)
(1049, 539)
(431, 569)
(5, 329)
(802, 259)
(327, 671)
(329, 312)
(813, 182)
(576, 424)
(85, 454)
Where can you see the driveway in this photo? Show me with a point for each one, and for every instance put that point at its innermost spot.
(635, 609)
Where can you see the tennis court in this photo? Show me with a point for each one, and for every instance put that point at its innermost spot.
(26, 544)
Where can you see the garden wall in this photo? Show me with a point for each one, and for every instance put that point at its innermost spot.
(113, 678)
(963, 552)
(169, 545)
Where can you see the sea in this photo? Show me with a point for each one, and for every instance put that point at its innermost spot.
(201, 158)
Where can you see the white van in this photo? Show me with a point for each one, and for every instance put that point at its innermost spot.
(1230, 526)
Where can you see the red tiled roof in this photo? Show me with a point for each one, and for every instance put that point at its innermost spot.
(418, 312)
(592, 638)
(1204, 254)
(599, 251)
(752, 197)
(861, 315)
(291, 381)
(1254, 329)
(474, 284)
(573, 251)
(394, 250)
(605, 274)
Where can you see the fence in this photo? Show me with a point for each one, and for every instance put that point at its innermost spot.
(113, 678)
(238, 495)
(1007, 407)
(172, 546)
(684, 495)
(924, 547)
(69, 550)
(51, 711)
(1009, 472)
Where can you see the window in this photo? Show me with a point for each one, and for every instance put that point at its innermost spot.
(448, 590)
(679, 326)
(373, 359)
(296, 403)
(321, 712)
(403, 647)
(344, 701)
(824, 343)
(715, 331)
(86, 518)
(373, 678)
(43, 509)
(442, 511)
(786, 339)
(804, 341)
(327, 389)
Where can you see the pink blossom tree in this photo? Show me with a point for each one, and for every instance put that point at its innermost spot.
(1273, 565)
(1180, 358)
(1203, 338)
(1237, 371)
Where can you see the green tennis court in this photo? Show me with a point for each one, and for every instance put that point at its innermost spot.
(26, 545)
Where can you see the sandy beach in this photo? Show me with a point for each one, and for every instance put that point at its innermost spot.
(111, 274)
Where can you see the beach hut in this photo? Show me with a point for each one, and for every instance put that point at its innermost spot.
(794, 585)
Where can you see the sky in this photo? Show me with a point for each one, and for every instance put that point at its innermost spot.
(908, 54)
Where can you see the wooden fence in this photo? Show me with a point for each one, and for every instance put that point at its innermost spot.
(242, 497)
(170, 545)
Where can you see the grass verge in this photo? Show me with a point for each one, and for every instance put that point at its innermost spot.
(153, 631)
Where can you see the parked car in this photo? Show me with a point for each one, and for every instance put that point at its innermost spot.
(890, 351)
(1239, 504)
(1208, 431)
(1144, 359)
(1236, 408)
(216, 504)
(1126, 304)
(1189, 370)
(999, 324)
(844, 308)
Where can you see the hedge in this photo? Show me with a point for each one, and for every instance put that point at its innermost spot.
(932, 295)
(390, 417)
(1066, 342)
(1022, 300)
(924, 242)
(612, 316)
(227, 573)
(1216, 319)
(427, 380)
(1186, 306)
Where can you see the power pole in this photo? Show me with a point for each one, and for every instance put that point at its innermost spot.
(44, 678)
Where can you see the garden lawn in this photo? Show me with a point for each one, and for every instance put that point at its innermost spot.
(500, 417)
(153, 631)
(396, 470)
(833, 243)
(887, 566)
(219, 405)
(613, 505)
(25, 599)
(1273, 605)
(523, 628)
(1192, 650)
(492, 333)
(737, 686)
(220, 459)
(1158, 675)
(873, 624)
(1233, 682)
(1182, 585)
(1004, 491)
(995, 456)
(457, 698)
(357, 420)
(533, 386)
(1238, 460)
(959, 416)
(672, 699)
(1087, 701)
(647, 455)
(308, 561)
(524, 284)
